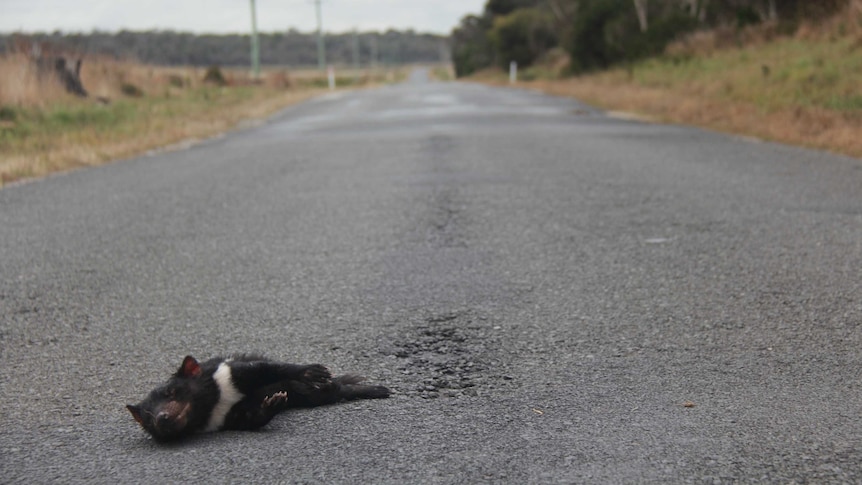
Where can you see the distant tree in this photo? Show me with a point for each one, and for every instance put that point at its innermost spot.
(599, 33)
(522, 36)
(471, 48)
(605, 32)
(291, 48)
(590, 43)
(495, 8)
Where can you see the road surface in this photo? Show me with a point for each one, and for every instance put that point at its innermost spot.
(553, 294)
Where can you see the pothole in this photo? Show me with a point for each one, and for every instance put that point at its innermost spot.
(448, 355)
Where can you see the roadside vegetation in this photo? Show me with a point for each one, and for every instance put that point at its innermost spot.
(779, 70)
(287, 48)
(131, 108)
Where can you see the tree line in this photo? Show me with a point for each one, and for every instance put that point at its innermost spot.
(290, 48)
(599, 33)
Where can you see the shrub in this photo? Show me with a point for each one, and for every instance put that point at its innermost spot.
(607, 32)
(176, 81)
(746, 16)
(505, 7)
(130, 90)
(471, 49)
(591, 44)
(8, 113)
(522, 36)
(215, 76)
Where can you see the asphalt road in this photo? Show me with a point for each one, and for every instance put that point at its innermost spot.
(555, 296)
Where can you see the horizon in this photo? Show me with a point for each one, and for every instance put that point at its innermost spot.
(226, 17)
(260, 32)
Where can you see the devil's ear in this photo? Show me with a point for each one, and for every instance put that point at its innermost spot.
(190, 368)
(136, 413)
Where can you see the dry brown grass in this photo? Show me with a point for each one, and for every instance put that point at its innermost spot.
(158, 126)
(21, 86)
(807, 126)
(44, 130)
(803, 90)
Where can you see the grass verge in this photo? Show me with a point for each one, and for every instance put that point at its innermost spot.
(44, 130)
(39, 141)
(802, 90)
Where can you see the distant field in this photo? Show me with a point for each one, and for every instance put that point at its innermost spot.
(133, 108)
(804, 90)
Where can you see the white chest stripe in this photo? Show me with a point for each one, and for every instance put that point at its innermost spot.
(228, 396)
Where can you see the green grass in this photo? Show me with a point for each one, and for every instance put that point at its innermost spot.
(845, 103)
(84, 116)
(37, 127)
(37, 140)
(777, 75)
(42, 133)
(803, 90)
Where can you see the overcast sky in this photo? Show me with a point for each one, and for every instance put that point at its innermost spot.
(218, 16)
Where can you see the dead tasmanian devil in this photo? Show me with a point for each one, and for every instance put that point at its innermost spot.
(241, 392)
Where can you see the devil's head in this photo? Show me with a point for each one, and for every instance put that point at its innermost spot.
(170, 411)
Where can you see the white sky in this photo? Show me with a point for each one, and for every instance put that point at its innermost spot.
(221, 16)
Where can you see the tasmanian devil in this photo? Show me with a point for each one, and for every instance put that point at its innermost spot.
(242, 392)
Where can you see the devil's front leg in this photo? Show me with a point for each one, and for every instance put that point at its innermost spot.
(252, 413)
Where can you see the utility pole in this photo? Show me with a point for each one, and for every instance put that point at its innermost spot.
(356, 63)
(321, 49)
(373, 51)
(255, 46)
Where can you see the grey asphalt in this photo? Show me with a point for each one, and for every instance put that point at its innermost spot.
(553, 294)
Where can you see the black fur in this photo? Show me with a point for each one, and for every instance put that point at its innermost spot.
(185, 404)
